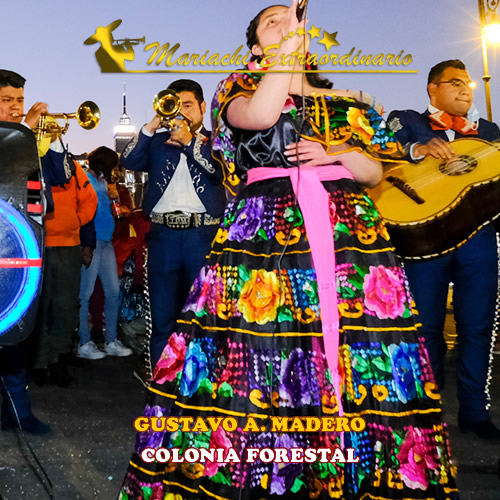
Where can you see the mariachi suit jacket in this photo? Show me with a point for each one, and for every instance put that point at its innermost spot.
(411, 126)
(159, 160)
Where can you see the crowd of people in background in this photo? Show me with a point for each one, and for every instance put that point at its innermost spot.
(79, 226)
(95, 248)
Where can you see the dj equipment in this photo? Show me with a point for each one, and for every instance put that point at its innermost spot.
(21, 235)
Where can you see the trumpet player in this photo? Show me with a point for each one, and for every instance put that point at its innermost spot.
(56, 167)
(185, 200)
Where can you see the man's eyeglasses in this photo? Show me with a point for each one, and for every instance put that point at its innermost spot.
(459, 84)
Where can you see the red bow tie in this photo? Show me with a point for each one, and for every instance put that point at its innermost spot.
(441, 120)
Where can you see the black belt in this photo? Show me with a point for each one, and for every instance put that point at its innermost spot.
(181, 220)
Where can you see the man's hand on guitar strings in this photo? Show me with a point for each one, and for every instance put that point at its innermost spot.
(436, 147)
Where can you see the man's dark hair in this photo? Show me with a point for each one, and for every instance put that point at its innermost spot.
(11, 79)
(102, 161)
(437, 70)
(188, 86)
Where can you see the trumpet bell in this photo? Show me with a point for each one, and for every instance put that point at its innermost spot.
(167, 104)
(88, 115)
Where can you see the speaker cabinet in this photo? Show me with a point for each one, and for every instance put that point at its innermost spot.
(21, 232)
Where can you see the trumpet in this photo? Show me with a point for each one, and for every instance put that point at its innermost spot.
(130, 41)
(167, 105)
(88, 116)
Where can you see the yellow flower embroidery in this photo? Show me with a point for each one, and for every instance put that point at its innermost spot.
(360, 124)
(260, 297)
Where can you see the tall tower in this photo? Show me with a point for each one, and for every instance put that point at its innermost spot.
(125, 130)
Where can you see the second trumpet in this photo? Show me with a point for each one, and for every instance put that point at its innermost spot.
(167, 105)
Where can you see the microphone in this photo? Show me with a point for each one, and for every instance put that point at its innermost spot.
(301, 7)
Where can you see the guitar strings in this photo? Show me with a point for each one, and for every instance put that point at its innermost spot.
(423, 179)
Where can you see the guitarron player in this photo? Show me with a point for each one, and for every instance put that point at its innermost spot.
(472, 266)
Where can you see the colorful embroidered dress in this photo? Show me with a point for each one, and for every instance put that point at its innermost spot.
(250, 342)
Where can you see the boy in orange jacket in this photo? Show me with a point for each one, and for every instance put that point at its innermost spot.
(75, 204)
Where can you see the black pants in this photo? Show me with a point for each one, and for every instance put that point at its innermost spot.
(58, 312)
(13, 363)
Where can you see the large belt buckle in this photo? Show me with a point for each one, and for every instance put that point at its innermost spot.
(177, 221)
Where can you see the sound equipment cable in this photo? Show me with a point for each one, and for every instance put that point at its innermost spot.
(39, 472)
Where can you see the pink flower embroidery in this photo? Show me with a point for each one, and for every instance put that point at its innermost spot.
(218, 439)
(415, 460)
(258, 66)
(289, 105)
(204, 291)
(384, 293)
(171, 360)
(157, 492)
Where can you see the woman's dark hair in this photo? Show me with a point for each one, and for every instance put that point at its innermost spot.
(314, 79)
(102, 161)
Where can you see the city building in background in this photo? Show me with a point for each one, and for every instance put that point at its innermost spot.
(125, 130)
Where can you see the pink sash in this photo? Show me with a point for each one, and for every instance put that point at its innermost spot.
(314, 203)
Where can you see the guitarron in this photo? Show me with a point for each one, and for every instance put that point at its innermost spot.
(435, 206)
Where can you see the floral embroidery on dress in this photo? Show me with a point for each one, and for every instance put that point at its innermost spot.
(250, 339)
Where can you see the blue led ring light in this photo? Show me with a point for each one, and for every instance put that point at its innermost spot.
(31, 276)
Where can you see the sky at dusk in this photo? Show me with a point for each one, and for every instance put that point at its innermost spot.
(43, 41)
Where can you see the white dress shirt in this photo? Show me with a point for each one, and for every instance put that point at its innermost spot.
(180, 194)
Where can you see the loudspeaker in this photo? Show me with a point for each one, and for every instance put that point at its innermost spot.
(21, 232)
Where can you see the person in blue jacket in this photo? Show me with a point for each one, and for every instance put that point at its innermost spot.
(472, 267)
(103, 263)
(185, 199)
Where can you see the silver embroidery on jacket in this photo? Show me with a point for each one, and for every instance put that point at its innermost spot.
(130, 146)
(67, 167)
(198, 182)
(198, 156)
(395, 124)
